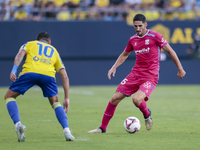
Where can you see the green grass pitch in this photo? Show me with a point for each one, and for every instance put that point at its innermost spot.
(175, 112)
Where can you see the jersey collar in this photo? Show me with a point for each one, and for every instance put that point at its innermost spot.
(44, 41)
(145, 34)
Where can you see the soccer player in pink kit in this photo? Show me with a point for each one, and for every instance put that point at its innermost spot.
(144, 76)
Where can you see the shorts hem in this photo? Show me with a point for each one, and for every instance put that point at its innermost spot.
(50, 95)
(123, 93)
(146, 98)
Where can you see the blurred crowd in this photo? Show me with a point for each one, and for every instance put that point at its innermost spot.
(194, 48)
(100, 10)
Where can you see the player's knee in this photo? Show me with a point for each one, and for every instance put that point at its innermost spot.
(117, 97)
(6, 96)
(53, 99)
(115, 100)
(136, 101)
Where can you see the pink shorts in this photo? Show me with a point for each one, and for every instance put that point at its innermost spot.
(132, 84)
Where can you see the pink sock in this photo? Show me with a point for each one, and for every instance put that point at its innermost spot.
(143, 108)
(108, 114)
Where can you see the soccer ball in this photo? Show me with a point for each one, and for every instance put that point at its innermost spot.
(132, 124)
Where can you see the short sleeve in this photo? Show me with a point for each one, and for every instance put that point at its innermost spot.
(160, 40)
(129, 47)
(24, 47)
(59, 64)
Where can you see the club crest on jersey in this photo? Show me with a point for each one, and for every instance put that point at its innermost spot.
(147, 85)
(147, 42)
(135, 44)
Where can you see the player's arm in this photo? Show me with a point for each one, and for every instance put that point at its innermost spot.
(174, 57)
(65, 81)
(18, 59)
(122, 57)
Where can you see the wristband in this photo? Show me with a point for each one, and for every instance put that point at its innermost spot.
(14, 69)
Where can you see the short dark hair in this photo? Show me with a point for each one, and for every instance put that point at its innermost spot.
(43, 36)
(139, 17)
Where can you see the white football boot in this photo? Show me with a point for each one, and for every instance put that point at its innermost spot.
(20, 129)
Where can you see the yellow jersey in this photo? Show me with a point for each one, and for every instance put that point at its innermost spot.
(41, 58)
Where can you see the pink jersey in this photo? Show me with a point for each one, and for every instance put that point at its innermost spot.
(147, 50)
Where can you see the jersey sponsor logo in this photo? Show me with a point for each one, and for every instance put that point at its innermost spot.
(135, 44)
(144, 50)
(147, 85)
(35, 58)
(46, 61)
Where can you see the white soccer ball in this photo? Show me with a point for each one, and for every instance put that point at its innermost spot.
(132, 124)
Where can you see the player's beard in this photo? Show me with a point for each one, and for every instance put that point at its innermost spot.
(139, 33)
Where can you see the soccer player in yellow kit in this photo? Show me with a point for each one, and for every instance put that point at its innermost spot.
(42, 62)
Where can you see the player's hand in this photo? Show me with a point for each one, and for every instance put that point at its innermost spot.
(13, 77)
(66, 105)
(181, 73)
(112, 72)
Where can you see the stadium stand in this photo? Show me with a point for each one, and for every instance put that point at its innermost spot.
(103, 10)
